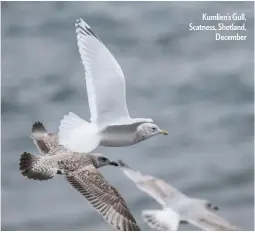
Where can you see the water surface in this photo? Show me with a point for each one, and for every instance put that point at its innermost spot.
(199, 89)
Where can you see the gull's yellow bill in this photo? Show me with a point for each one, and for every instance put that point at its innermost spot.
(164, 132)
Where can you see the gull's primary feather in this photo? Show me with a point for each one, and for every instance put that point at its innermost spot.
(105, 198)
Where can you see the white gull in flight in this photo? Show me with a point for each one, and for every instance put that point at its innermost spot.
(177, 207)
(110, 123)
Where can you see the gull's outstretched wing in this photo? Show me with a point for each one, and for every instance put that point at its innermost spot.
(156, 188)
(44, 141)
(162, 220)
(104, 79)
(105, 198)
(206, 220)
(37, 167)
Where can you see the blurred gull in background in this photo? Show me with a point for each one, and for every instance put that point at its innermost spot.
(176, 206)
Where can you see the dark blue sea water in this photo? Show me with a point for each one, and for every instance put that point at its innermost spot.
(199, 89)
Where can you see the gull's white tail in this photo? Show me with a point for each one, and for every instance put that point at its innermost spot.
(77, 134)
(162, 220)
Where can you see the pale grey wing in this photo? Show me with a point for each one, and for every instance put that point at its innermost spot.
(44, 141)
(36, 167)
(104, 79)
(105, 198)
(156, 188)
(209, 221)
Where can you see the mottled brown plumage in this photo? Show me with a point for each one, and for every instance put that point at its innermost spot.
(47, 143)
(81, 172)
(105, 198)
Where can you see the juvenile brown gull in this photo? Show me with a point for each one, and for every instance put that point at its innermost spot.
(80, 170)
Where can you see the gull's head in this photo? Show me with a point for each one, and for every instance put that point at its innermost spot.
(102, 161)
(151, 129)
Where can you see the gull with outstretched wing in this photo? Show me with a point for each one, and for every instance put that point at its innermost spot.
(177, 207)
(110, 123)
(80, 170)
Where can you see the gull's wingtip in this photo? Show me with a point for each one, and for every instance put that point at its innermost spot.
(80, 22)
(38, 127)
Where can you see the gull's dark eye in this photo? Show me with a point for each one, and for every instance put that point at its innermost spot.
(103, 159)
(153, 128)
